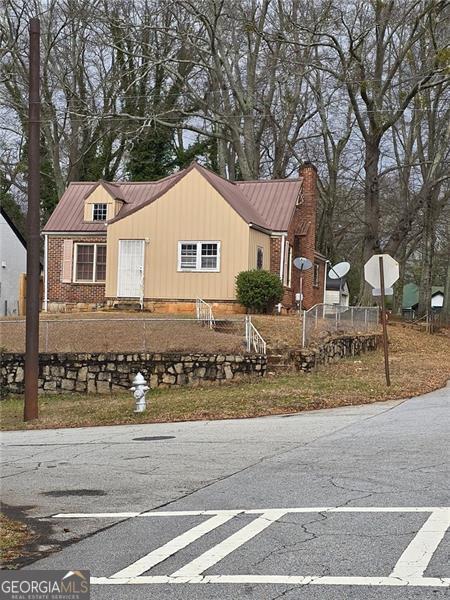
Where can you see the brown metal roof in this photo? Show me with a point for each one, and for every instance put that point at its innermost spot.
(69, 213)
(266, 204)
(274, 200)
(232, 192)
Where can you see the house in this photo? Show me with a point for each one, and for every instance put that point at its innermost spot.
(13, 262)
(163, 244)
(337, 292)
(410, 302)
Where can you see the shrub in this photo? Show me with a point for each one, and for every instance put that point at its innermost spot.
(258, 290)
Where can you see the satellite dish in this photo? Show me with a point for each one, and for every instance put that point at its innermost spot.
(339, 270)
(302, 264)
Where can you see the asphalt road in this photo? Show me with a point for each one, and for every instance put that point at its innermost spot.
(334, 504)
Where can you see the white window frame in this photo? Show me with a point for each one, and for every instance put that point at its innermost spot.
(198, 266)
(106, 215)
(94, 270)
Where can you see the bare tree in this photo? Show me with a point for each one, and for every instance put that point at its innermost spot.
(373, 41)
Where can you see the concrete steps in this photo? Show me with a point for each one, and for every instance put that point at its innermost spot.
(127, 306)
(278, 362)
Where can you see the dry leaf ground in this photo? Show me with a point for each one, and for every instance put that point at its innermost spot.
(13, 537)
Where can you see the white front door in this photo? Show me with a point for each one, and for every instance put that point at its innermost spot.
(130, 276)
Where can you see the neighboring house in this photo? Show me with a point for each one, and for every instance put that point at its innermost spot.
(335, 294)
(165, 243)
(13, 262)
(410, 302)
(437, 297)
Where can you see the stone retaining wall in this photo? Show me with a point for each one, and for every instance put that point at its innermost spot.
(334, 349)
(104, 372)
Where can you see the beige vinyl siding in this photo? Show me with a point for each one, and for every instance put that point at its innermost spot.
(257, 238)
(190, 211)
(101, 196)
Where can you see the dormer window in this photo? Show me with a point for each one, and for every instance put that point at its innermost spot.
(99, 212)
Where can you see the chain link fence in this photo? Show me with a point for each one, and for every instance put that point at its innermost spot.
(123, 335)
(136, 334)
(326, 319)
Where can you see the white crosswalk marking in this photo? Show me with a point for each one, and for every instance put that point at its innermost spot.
(408, 571)
(433, 582)
(416, 558)
(153, 558)
(213, 556)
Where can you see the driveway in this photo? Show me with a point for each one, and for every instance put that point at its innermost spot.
(342, 503)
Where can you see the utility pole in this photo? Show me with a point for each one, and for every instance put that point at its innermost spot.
(33, 233)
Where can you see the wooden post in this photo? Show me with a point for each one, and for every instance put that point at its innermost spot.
(383, 320)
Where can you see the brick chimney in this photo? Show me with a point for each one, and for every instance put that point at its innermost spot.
(308, 209)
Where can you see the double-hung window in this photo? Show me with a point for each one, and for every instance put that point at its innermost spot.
(99, 212)
(198, 256)
(90, 263)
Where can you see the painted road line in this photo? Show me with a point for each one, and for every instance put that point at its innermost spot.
(117, 515)
(416, 557)
(253, 511)
(190, 513)
(218, 552)
(390, 581)
(163, 552)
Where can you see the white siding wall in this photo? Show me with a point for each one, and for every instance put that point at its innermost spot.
(332, 297)
(437, 300)
(13, 262)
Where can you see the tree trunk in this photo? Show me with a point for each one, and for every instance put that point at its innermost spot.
(398, 289)
(426, 278)
(371, 242)
(446, 307)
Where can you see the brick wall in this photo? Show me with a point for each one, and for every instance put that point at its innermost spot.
(67, 294)
(275, 254)
(307, 214)
(304, 215)
(317, 296)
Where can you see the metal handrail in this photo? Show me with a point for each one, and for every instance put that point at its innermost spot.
(204, 313)
(253, 338)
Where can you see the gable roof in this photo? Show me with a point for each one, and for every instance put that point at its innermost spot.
(265, 204)
(113, 189)
(437, 289)
(13, 227)
(68, 215)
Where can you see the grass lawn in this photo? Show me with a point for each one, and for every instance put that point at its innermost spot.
(419, 363)
(13, 536)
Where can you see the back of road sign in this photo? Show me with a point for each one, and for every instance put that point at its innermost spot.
(372, 271)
